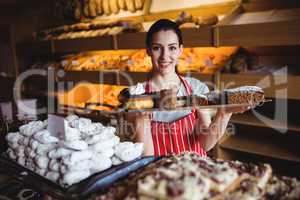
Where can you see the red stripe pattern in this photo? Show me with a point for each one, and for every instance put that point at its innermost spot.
(178, 136)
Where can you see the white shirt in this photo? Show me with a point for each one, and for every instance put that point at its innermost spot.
(198, 88)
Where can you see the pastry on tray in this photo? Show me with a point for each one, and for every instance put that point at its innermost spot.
(167, 98)
(189, 176)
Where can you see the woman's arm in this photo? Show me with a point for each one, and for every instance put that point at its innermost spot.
(142, 131)
(211, 131)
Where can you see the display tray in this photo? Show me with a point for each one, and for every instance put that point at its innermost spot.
(81, 190)
(124, 110)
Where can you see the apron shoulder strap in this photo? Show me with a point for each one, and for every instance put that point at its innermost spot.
(187, 86)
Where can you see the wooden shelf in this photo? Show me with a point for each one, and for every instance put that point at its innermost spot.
(192, 38)
(275, 86)
(116, 77)
(249, 119)
(265, 28)
(264, 146)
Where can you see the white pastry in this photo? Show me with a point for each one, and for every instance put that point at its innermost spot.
(12, 155)
(82, 165)
(80, 123)
(54, 165)
(19, 151)
(93, 139)
(14, 137)
(13, 145)
(63, 169)
(31, 128)
(45, 137)
(92, 129)
(72, 134)
(29, 164)
(105, 144)
(70, 118)
(59, 152)
(33, 144)
(128, 151)
(53, 176)
(116, 161)
(74, 177)
(40, 171)
(29, 153)
(77, 156)
(43, 149)
(109, 131)
(100, 163)
(21, 161)
(109, 152)
(41, 161)
(26, 141)
(76, 145)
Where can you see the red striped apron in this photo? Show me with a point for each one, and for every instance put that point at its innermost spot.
(177, 136)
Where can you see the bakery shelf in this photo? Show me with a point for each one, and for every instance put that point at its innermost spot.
(67, 45)
(275, 86)
(192, 38)
(251, 120)
(278, 148)
(116, 77)
(269, 28)
(202, 37)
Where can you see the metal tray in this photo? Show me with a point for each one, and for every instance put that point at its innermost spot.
(83, 189)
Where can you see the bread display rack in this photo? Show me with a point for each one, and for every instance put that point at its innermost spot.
(271, 28)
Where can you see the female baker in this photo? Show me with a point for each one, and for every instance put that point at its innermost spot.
(169, 132)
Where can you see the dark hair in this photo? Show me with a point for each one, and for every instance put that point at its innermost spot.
(163, 24)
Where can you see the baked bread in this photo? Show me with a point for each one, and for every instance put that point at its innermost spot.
(99, 7)
(167, 99)
(137, 103)
(121, 4)
(138, 4)
(114, 6)
(86, 9)
(93, 8)
(106, 7)
(130, 5)
(207, 20)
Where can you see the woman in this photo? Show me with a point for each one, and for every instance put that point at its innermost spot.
(167, 132)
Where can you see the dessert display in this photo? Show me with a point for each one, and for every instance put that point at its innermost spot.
(87, 148)
(97, 96)
(188, 176)
(94, 8)
(204, 60)
(89, 29)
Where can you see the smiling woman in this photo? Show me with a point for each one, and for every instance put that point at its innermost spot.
(169, 132)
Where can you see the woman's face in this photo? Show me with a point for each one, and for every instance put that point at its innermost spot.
(165, 51)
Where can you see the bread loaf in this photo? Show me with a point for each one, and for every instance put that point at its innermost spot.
(138, 4)
(121, 4)
(114, 6)
(99, 7)
(130, 5)
(93, 8)
(105, 6)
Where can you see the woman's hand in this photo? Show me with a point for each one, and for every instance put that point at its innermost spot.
(234, 110)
